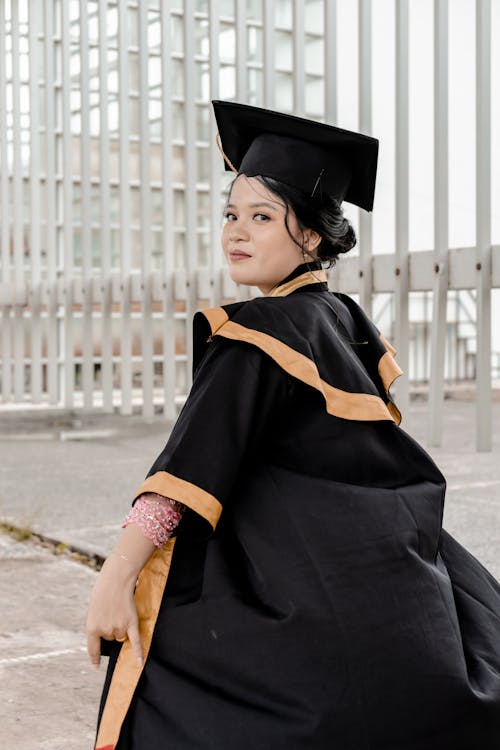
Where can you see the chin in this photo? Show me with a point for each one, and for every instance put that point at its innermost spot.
(240, 276)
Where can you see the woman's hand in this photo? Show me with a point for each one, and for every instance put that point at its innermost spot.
(112, 613)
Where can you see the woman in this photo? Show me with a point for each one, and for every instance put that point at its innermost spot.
(312, 600)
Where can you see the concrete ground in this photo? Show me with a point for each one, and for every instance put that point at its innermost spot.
(72, 479)
(48, 689)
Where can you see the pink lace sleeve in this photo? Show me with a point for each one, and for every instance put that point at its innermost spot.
(157, 516)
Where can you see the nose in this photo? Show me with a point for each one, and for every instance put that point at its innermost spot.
(238, 231)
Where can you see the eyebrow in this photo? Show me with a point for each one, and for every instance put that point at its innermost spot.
(253, 205)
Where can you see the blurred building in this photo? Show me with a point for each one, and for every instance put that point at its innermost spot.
(112, 187)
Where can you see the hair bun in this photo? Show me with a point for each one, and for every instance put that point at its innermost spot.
(336, 239)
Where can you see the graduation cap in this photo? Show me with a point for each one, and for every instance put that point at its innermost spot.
(306, 154)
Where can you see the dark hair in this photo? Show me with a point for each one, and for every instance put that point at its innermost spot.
(322, 213)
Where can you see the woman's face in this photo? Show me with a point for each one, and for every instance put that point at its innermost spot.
(255, 240)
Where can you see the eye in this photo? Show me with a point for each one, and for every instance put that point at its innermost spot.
(228, 214)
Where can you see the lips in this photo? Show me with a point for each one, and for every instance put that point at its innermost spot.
(238, 255)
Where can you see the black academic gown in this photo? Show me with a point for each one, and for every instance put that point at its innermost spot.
(313, 601)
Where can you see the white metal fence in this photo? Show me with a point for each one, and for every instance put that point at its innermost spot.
(111, 185)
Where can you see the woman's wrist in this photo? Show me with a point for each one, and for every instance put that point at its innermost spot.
(120, 570)
(128, 565)
(130, 553)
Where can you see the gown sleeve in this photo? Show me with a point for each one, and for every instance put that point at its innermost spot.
(233, 404)
(156, 516)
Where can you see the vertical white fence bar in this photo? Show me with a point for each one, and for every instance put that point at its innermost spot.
(241, 50)
(242, 88)
(145, 217)
(86, 233)
(299, 44)
(5, 270)
(59, 198)
(17, 206)
(365, 125)
(67, 217)
(269, 54)
(125, 204)
(6, 354)
(50, 226)
(330, 25)
(483, 225)
(34, 203)
(401, 271)
(216, 164)
(104, 216)
(190, 191)
(440, 286)
(331, 64)
(167, 210)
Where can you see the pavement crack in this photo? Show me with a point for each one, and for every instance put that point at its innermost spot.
(57, 547)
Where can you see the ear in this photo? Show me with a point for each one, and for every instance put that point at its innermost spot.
(312, 239)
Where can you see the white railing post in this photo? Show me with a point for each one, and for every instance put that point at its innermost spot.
(269, 53)
(440, 285)
(51, 301)
(125, 206)
(105, 221)
(299, 45)
(167, 210)
(401, 260)
(145, 218)
(483, 225)
(5, 265)
(17, 210)
(190, 173)
(66, 236)
(241, 50)
(216, 164)
(86, 233)
(365, 124)
(330, 36)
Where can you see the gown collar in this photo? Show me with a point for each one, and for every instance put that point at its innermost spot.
(306, 276)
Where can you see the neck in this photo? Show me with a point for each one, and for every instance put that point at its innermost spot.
(303, 274)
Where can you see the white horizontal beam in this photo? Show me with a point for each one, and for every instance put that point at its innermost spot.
(343, 277)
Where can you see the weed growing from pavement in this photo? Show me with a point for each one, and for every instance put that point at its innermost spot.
(56, 546)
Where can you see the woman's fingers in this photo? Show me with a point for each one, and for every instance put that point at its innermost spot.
(112, 614)
(94, 648)
(135, 641)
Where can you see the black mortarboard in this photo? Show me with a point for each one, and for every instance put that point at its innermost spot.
(306, 154)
